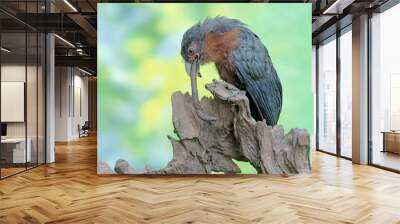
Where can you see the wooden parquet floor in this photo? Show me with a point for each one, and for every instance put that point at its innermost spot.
(70, 191)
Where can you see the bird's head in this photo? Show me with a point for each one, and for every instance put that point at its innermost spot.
(193, 42)
(191, 50)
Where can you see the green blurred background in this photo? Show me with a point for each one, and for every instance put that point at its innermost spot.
(139, 67)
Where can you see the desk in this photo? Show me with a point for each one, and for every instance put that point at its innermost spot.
(391, 141)
(16, 147)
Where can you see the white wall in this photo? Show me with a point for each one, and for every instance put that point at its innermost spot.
(12, 73)
(80, 110)
(33, 126)
(13, 101)
(71, 94)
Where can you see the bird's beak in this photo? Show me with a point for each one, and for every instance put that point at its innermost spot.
(193, 69)
(187, 67)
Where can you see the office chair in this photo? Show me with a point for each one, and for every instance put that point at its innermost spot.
(84, 130)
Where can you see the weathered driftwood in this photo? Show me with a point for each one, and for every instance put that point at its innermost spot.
(104, 168)
(211, 146)
(205, 146)
(122, 167)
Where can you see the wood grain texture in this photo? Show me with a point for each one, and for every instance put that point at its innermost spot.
(70, 191)
(204, 147)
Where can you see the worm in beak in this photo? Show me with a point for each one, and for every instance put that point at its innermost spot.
(193, 70)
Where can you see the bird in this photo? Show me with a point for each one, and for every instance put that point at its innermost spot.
(241, 59)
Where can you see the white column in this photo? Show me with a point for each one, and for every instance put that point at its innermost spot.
(360, 90)
(50, 92)
(50, 100)
(62, 103)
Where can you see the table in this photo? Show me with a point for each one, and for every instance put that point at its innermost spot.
(391, 141)
(16, 147)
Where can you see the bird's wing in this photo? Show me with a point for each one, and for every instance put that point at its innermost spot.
(255, 71)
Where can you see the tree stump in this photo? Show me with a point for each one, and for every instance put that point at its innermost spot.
(204, 146)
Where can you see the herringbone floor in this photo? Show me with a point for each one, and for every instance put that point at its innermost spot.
(69, 191)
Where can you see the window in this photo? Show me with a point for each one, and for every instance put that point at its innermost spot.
(385, 89)
(327, 96)
(346, 93)
(22, 77)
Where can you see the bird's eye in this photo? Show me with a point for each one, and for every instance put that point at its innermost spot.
(191, 52)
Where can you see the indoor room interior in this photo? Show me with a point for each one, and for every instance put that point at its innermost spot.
(22, 101)
(334, 70)
(48, 160)
(385, 89)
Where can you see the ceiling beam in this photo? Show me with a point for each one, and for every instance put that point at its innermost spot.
(320, 23)
(337, 6)
(86, 26)
(49, 22)
(81, 61)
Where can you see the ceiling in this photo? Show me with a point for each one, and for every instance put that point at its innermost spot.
(75, 23)
(329, 16)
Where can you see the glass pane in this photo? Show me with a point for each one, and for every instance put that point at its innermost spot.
(327, 96)
(386, 89)
(13, 88)
(32, 95)
(31, 88)
(22, 74)
(41, 99)
(346, 93)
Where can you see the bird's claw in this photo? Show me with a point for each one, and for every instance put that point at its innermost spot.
(234, 94)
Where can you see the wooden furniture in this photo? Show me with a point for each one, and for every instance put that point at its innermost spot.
(13, 150)
(391, 141)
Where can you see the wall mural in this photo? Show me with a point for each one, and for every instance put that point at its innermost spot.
(204, 88)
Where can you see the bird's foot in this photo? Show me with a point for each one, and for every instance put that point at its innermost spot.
(234, 94)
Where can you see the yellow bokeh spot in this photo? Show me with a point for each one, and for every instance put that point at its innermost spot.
(165, 77)
(149, 71)
(219, 11)
(172, 18)
(150, 116)
(139, 47)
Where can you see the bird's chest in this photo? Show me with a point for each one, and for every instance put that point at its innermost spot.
(227, 73)
(218, 45)
(217, 48)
